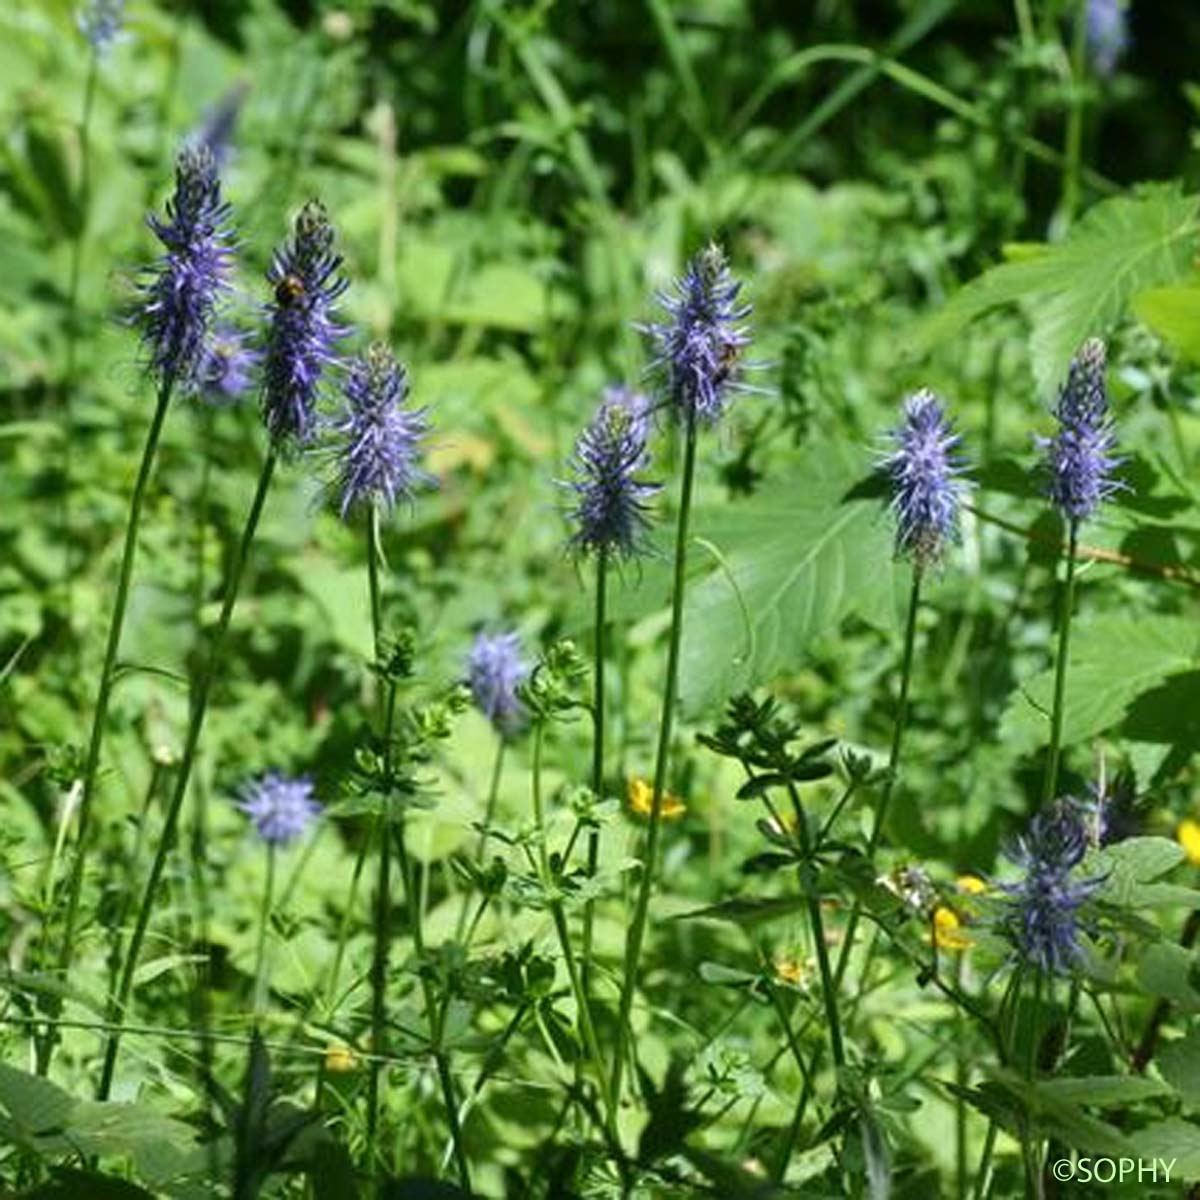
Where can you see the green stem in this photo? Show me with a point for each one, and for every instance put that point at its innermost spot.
(633, 946)
(339, 952)
(107, 679)
(382, 932)
(793, 1042)
(828, 986)
(116, 1011)
(489, 812)
(593, 847)
(260, 957)
(445, 1078)
(1007, 1017)
(885, 795)
(1050, 781)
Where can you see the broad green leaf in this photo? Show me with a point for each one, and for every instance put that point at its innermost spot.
(1179, 1062)
(1174, 314)
(69, 1184)
(1073, 290)
(1175, 1142)
(1170, 971)
(782, 567)
(1114, 660)
(35, 1105)
(1132, 863)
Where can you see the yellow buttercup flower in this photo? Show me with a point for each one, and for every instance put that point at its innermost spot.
(793, 971)
(972, 885)
(1188, 836)
(339, 1059)
(641, 801)
(948, 930)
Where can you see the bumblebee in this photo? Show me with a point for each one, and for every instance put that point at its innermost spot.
(288, 290)
(730, 353)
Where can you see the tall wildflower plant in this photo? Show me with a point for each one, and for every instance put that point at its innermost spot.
(1080, 473)
(301, 340)
(180, 294)
(699, 357)
(924, 471)
(609, 519)
(373, 445)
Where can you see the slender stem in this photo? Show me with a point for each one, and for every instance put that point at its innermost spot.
(805, 1075)
(104, 694)
(489, 812)
(445, 1078)
(885, 795)
(379, 966)
(1008, 1018)
(593, 847)
(379, 956)
(1050, 782)
(828, 985)
(117, 1004)
(343, 936)
(260, 957)
(633, 946)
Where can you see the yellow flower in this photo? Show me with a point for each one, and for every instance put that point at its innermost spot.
(792, 970)
(340, 1058)
(948, 930)
(641, 801)
(972, 885)
(1188, 836)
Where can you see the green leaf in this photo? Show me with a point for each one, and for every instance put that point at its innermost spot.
(1174, 1141)
(746, 910)
(1130, 864)
(1100, 1091)
(1174, 314)
(790, 563)
(68, 1184)
(1114, 660)
(1169, 971)
(1179, 1062)
(35, 1105)
(1119, 248)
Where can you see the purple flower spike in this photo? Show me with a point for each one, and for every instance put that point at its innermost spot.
(1107, 30)
(609, 513)
(281, 808)
(494, 669)
(1079, 460)
(227, 365)
(700, 347)
(181, 292)
(925, 471)
(303, 327)
(376, 440)
(1042, 907)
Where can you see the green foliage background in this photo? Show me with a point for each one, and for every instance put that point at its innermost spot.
(511, 182)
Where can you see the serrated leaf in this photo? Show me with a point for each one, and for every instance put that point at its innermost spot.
(795, 560)
(1114, 660)
(1173, 1141)
(1179, 1062)
(1130, 864)
(1079, 287)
